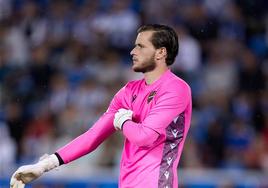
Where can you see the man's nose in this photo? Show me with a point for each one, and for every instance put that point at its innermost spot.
(132, 52)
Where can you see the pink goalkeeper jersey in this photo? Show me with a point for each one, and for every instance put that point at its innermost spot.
(153, 139)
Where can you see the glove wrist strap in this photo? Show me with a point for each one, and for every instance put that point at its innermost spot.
(50, 162)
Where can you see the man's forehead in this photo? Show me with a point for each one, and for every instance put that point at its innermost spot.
(144, 36)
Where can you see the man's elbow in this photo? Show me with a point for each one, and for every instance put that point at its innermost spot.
(146, 140)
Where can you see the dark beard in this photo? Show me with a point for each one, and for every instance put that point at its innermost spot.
(146, 66)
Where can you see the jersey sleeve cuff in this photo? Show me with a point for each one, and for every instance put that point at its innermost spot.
(61, 162)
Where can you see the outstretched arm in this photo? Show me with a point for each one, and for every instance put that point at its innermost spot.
(77, 148)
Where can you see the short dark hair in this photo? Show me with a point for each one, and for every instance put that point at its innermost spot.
(163, 36)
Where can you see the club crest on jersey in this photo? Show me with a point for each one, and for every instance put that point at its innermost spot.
(133, 98)
(151, 96)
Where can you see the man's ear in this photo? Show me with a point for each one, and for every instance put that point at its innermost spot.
(161, 53)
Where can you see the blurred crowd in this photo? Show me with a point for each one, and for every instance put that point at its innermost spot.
(61, 62)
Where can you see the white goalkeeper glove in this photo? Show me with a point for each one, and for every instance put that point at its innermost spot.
(120, 117)
(28, 173)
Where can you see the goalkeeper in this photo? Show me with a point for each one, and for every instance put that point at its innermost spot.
(153, 114)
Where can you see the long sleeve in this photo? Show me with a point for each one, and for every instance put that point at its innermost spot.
(91, 139)
(138, 134)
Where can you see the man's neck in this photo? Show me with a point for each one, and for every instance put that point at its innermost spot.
(151, 77)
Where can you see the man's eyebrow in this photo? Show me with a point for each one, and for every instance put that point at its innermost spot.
(139, 44)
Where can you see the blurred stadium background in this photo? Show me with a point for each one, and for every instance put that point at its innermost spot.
(61, 62)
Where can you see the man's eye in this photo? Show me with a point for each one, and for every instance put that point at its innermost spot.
(139, 46)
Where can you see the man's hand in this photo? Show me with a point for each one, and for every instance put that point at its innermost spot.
(120, 117)
(28, 173)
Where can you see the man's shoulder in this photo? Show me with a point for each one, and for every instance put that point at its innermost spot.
(175, 81)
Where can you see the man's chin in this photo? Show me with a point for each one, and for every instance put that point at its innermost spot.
(137, 69)
(143, 68)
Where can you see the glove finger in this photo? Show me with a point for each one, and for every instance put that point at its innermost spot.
(130, 112)
(121, 110)
(20, 184)
(13, 180)
(14, 184)
(17, 184)
(17, 175)
(116, 115)
(119, 115)
(27, 177)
